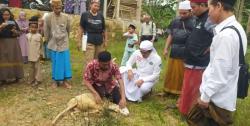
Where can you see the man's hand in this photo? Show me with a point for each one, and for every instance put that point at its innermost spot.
(122, 103)
(105, 43)
(165, 52)
(98, 98)
(79, 45)
(202, 104)
(130, 75)
(139, 82)
(153, 39)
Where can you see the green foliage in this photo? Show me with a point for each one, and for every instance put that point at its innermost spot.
(107, 119)
(161, 13)
(245, 13)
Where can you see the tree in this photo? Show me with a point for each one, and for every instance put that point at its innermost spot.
(239, 7)
(246, 18)
(248, 27)
(242, 11)
(161, 11)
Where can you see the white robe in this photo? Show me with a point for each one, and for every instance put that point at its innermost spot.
(147, 69)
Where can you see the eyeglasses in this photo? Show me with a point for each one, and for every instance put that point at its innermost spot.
(183, 13)
(6, 14)
(144, 52)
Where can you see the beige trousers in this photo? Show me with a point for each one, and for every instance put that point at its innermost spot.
(35, 71)
(92, 53)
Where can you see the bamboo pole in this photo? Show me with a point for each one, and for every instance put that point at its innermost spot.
(118, 2)
(105, 9)
(138, 10)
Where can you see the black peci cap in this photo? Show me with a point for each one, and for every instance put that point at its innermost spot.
(33, 20)
(132, 26)
(230, 2)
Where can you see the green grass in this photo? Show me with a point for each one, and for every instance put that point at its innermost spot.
(153, 108)
(22, 105)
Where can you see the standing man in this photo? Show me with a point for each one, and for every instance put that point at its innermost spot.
(196, 56)
(148, 29)
(56, 33)
(179, 31)
(92, 24)
(139, 82)
(219, 83)
(102, 77)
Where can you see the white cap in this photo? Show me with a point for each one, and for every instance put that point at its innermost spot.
(95, 1)
(146, 45)
(185, 5)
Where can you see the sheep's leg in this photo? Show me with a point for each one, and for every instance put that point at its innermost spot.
(63, 112)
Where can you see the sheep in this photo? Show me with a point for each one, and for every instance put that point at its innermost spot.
(86, 102)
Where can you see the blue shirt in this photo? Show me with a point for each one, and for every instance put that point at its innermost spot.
(131, 42)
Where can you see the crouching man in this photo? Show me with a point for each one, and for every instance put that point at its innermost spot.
(102, 77)
(139, 82)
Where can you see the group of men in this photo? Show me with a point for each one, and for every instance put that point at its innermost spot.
(211, 58)
(204, 61)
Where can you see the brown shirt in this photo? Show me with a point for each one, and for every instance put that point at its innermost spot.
(56, 31)
(34, 46)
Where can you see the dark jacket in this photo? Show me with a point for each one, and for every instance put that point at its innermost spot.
(180, 30)
(199, 42)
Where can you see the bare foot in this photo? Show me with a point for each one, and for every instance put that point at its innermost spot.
(54, 85)
(67, 85)
(36, 83)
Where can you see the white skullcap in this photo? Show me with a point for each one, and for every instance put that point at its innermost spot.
(185, 5)
(146, 45)
(95, 1)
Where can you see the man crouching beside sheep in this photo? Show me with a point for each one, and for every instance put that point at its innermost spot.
(102, 77)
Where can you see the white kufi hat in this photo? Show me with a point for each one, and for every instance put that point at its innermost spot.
(185, 5)
(146, 45)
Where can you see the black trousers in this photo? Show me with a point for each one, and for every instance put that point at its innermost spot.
(114, 95)
(146, 37)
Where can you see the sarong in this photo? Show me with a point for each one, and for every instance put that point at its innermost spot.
(174, 76)
(190, 89)
(61, 67)
(11, 66)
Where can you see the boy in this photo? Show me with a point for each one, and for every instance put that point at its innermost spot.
(132, 40)
(34, 49)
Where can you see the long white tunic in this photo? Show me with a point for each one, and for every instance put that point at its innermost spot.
(146, 69)
(219, 82)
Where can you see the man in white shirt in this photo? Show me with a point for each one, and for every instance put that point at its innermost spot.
(138, 82)
(148, 29)
(219, 82)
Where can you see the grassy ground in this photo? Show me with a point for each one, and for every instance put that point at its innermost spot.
(22, 105)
